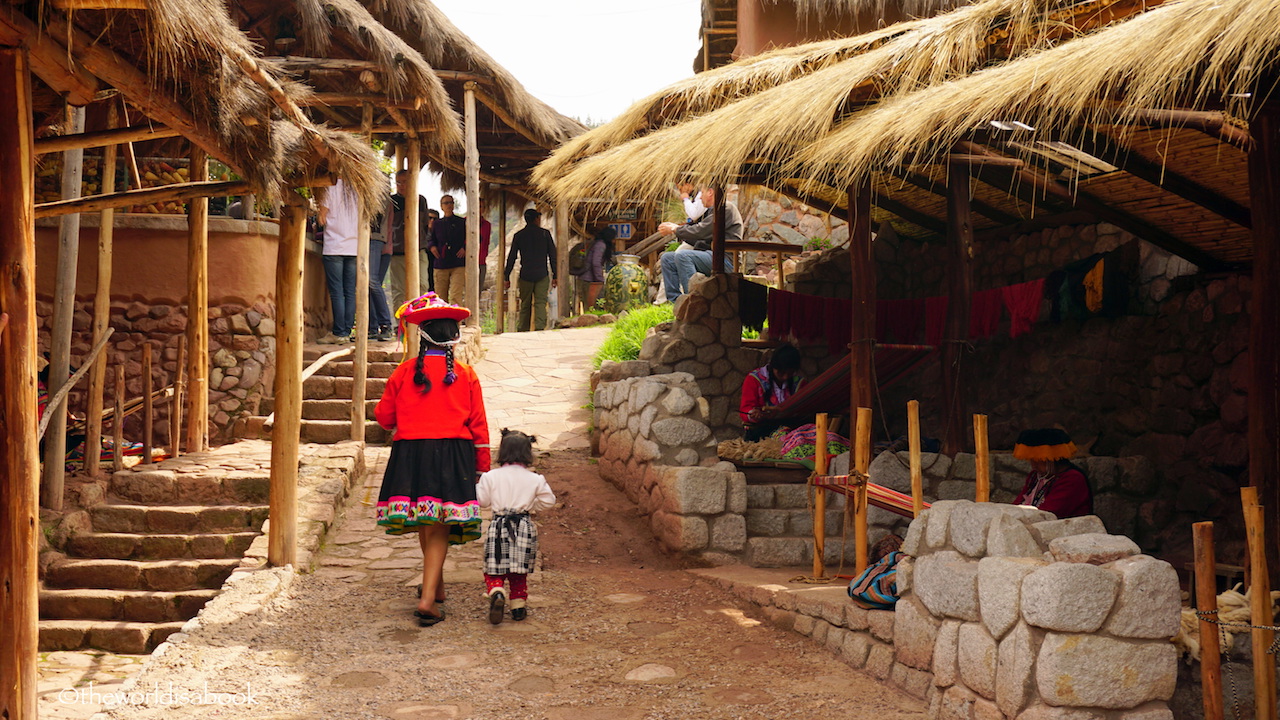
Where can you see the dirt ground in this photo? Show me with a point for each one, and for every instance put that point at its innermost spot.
(616, 630)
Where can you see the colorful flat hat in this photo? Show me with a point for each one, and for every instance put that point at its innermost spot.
(1044, 444)
(430, 307)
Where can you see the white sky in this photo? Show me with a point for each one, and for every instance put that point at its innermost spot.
(588, 59)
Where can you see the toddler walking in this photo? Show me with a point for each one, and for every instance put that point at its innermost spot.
(511, 543)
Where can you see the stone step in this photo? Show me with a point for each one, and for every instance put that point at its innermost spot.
(132, 638)
(348, 369)
(334, 409)
(335, 431)
(378, 352)
(134, 546)
(123, 605)
(795, 523)
(212, 487)
(787, 496)
(796, 551)
(158, 575)
(326, 387)
(176, 519)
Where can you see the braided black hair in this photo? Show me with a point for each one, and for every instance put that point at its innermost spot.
(430, 334)
(419, 377)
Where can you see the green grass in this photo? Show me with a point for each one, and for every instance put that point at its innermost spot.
(623, 342)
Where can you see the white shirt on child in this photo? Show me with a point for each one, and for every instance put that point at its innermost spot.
(514, 488)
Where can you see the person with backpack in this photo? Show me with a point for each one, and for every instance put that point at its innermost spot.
(595, 264)
(536, 250)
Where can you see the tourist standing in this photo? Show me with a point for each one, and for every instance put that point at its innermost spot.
(441, 442)
(448, 246)
(393, 231)
(598, 257)
(380, 324)
(536, 249)
(511, 543)
(340, 216)
(680, 265)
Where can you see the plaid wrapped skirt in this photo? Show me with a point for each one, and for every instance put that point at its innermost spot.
(511, 544)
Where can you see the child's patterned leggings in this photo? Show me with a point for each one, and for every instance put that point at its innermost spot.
(519, 584)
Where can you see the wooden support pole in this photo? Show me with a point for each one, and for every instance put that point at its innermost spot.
(148, 407)
(717, 231)
(198, 310)
(175, 404)
(1260, 616)
(820, 498)
(562, 259)
(19, 453)
(472, 164)
(1206, 591)
(913, 448)
(147, 196)
(863, 277)
(117, 422)
(282, 539)
(959, 287)
(861, 461)
(64, 306)
(413, 284)
(112, 136)
(101, 306)
(982, 456)
(360, 368)
(500, 288)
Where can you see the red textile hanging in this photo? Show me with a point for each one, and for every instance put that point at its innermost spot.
(779, 314)
(1023, 302)
(935, 320)
(984, 313)
(899, 321)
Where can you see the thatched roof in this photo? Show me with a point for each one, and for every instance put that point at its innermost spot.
(765, 107)
(826, 8)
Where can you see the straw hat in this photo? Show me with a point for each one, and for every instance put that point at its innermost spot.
(1044, 444)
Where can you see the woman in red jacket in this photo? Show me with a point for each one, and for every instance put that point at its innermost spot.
(440, 445)
(1054, 484)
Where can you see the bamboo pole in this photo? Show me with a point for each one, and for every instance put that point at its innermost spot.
(64, 306)
(471, 163)
(360, 368)
(1264, 664)
(198, 310)
(500, 288)
(282, 540)
(1207, 605)
(820, 498)
(913, 447)
(101, 305)
(412, 224)
(175, 405)
(114, 135)
(58, 397)
(117, 422)
(562, 259)
(862, 461)
(19, 454)
(982, 456)
(146, 196)
(148, 407)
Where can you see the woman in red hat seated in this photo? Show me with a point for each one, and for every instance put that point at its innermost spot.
(1054, 484)
(440, 445)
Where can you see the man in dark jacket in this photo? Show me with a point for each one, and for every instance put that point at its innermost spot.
(537, 251)
(448, 245)
(695, 254)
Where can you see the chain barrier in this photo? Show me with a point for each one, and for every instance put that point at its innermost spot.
(1209, 616)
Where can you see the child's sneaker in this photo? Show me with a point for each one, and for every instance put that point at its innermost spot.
(497, 604)
(518, 611)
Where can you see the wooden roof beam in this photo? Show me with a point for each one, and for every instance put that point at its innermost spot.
(507, 183)
(496, 108)
(939, 188)
(103, 138)
(358, 100)
(146, 196)
(50, 61)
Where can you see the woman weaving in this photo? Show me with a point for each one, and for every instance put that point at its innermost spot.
(765, 388)
(1054, 484)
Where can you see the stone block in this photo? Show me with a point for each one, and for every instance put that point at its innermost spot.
(736, 497)
(611, 371)
(728, 532)
(680, 431)
(1010, 537)
(1149, 711)
(835, 639)
(791, 497)
(679, 533)
(1092, 548)
(1069, 597)
(1103, 672)
(957, 704)
(804, 624)
(906, 568)
(915, 632)
(769, 523)
(1048, 712)
(986, 710)
(1150, 602)
(976, 659)
(880, 660)
(945, 649)
(1000, 590)
(947, 583)
(694, 490)
(779, 618)
(856, 618)
(145, 486)
(936, 532)
(777, 551)
(917, 683)
(121, 638)
(1050, 530)
(760, 496)
(969, 525)
(1015, 669)
(644, 424)
(820, 630)
(855, 649)
(913, 544)
(881, 624)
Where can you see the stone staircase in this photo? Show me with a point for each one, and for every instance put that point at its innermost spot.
(150, 557)
(779, 524)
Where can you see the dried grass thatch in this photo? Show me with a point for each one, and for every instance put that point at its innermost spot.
(771, 124)
(912, 8)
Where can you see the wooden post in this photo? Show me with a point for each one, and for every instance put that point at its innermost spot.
(562, 259)
(19, 449)
(862, 461)
(198, 310)
(820, 498)
(913, 447)
(1264, 664)
(101, 306)
(1206, 591)
(717, 231)
(862, 271)
(982, 456)
(959, 286)
(360, 366)
(500, 287)
(148, 409)
(282, 540)
(1264, 318)
(471, 163)
(64, 306)
(117, 422)
(175, 403)
(412, 224)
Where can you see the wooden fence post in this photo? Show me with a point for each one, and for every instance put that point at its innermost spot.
(101, 306)
(1206, 591)
(862, 461)
(982, 456)
(913, 447)
(820, 498)
(282, 536)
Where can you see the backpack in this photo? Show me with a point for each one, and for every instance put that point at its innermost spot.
(578, 259)
(877, 586)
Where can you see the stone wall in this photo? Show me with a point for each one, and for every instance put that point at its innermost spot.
(1019, 615)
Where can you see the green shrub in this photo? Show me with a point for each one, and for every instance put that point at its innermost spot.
(817, 243)
(623, 342)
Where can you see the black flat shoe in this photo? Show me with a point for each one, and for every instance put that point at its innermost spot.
(426, 619)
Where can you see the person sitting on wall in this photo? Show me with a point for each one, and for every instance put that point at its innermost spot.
(679, 265)
(765, 388)
(1054, 484)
